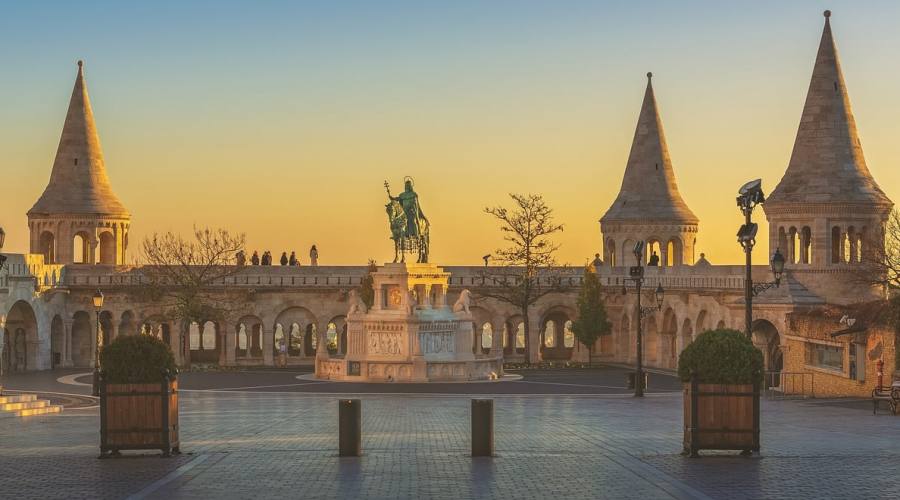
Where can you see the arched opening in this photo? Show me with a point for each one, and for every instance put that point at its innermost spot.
(510, 336)
(850, 245)
(806, 245)
(337, 336)
(82, 339)
(311, 339)
(520, 337)
(57, 342)
(106, 327)
(836, 242)
(766, 338)
(47, 244)
(107, 248)
(669, 339)
(794, 248)
(701, 322)
(248, 343)
(295, 322)
(654, 253)
(203, 340)
(331, 336)
(553, 337)
(81, 248)
(568, 335)
(687, 336)
(610, 252)
(280, 341)
(127, 324)
(20, 339)
(674, 252)
(651, 342)
(720, 325)
(487, 337)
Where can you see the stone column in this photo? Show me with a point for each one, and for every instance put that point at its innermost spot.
(268, 345)
(230, 344)
(534, 340)
(67, 343)
(497, 337)
(221, 343)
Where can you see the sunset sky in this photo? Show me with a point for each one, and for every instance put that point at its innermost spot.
(283, 119)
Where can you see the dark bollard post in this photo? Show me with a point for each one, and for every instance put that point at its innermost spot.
(482, 427)
(349, 427)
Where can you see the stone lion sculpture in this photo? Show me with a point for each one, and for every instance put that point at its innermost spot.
(463, 302)
(357, 306)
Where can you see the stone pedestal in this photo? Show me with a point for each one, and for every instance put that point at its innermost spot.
(410, 334)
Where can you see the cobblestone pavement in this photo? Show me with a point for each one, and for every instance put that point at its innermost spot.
(244, 444)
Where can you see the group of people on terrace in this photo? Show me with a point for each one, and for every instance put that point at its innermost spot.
(266, 258)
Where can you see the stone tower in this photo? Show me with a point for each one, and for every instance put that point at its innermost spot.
(78, 218)
(649, 207)
(827, 208)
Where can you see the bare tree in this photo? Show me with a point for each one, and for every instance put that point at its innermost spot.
(880, 265)
(527, 268)
(188, 275)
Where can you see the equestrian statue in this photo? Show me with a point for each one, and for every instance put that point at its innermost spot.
(409, 226)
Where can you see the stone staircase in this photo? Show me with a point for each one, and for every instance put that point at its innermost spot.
(26, 405)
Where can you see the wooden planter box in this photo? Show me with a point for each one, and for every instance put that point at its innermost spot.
(139, 417)
(721, 417)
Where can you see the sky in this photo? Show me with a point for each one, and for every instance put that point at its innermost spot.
(283, 119)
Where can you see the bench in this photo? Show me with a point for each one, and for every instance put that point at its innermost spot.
(885, 393)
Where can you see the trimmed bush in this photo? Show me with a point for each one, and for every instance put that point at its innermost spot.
(137, 359)
(721, 357)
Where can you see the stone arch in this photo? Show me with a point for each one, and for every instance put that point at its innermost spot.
(669, 339)
(553, 334)
(159, 327)
(81, 248)
(610, 252)
(806, 246)
(336, 331)
(47, 246)
(651, 342)
(20, 338)
(515, 332)
(701, 322)
(687, 336)
(766, 338)
(204, 342)
(480, 316)
(127, 324)
(57, 342)
(674, 252)
(627, 255)
(486, 331)
(107, 327)
(300, 327)
(654, 246)
(82, 339)
(249, 337)
(720, 325)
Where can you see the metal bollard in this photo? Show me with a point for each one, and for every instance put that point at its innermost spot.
(349, 427)
(482, 427)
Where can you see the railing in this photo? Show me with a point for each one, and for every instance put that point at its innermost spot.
(789, 385)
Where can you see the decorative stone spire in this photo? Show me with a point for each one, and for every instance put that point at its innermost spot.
(649, 192)
(827, 164)
(78, 182)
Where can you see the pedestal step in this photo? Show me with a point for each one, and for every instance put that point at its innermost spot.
(26, 405)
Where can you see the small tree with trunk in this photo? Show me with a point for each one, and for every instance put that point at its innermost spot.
(188, 275)
(527, 269)
(592, 321)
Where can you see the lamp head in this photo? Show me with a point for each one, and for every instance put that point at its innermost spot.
(639, 250)
(98, 300)
(777, 265)
(660, 293)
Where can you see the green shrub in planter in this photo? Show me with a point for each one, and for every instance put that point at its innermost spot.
(721, 357)
(137, 359)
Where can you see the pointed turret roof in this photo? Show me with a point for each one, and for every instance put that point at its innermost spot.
(649, 191)
(78, 182)
(827, 164)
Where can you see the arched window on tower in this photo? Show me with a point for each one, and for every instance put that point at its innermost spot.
(861, 236)
(81, 248)
(851, 245)
(48, 247)
(836, 245)
(107, 248)
(653, 247)
(805, 245)
(847, 245)
(782, 240)
(794, 246)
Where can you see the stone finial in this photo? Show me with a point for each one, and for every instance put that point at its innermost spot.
(649, 75)
(827, 14)
(80, 63)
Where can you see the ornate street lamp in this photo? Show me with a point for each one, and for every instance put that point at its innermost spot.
(749, 196)
(98, 305)
(636, 274)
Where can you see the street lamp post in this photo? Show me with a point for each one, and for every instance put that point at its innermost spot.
(749, 196)
(98, 305)
(636, 274)
(2, 318)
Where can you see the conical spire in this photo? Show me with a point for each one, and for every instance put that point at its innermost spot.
(78, 182)
(649, 191)
(827, 164)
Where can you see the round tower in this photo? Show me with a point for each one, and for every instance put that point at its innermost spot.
(827, 211)
(79, 219)
(649, 207)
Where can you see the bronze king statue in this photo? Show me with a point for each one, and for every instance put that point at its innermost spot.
(409, 226)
